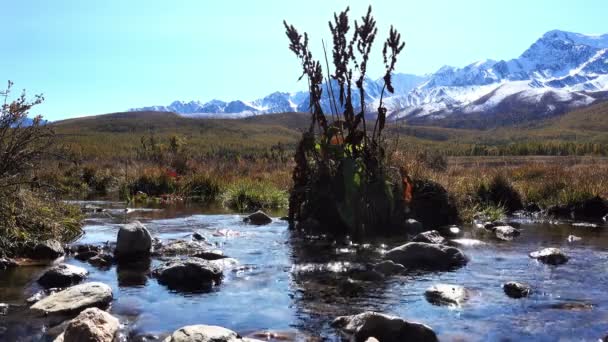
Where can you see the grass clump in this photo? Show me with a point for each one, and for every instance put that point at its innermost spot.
(201, 187)
(249, 195)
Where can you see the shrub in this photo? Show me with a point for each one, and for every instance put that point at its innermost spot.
(154, 182)
(201, 187)
(500, 193)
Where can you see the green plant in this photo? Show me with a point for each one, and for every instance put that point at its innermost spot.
(249, 195)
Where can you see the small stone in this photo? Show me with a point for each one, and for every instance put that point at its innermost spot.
(446, 294)
(86, 255)
(573, 238)
(198, 236)
(516, 290)
(388, 267)
(102, 260)
(62, 275)
(203, 333)
(551, 256)
(432, 236)
(506, 233)
(258, 218)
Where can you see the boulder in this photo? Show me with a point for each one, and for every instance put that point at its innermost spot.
(446, 294)
(188, 274)
(551, 256)
(47, 250)
(203, 333)
(516, 290)
(387, 267)
(62, 275)
(102, 260)
(133, 241)
(258, 218)
(506, 233)
(420, 255)
(432, 236)
(92, 325)
(413, 227)
(75, 299)
(383, 328)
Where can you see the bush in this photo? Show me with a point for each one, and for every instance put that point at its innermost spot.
(201, 187)
(154, 182)
(500, 193)
(248, 195)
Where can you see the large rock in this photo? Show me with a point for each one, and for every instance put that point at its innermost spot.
(47, 250)
(133, 241)
(75, 299)
(258, 218)
(91, 325)
(506, 233)
(516, 290)
(432, 236)
(420, 255)
(382, 327)
(446, 294)
(203, 333)
(188, 274)
(551, 256)
(62, 275)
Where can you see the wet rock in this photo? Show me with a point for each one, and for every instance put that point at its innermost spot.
(532, 208)
(75, 299)
(203, 333)
(573, 306)
(516, 290)
(388, 267)
(273, 335)
(551, 256)
(102, 260)
(573, 238)
(84, 256)
(491, 226)
(3, 309)
(47, 250)
(6, 263)
(91, 325)
(432, 236)
(450, 232)
(420, 255)
(133, 241)
(198, 236)
(258, 218)
(506, 233)
(210, 255)
(413, 227)
(467, 243)
(181, 248)
(62, 275)
(188, 274)
(383, 328)
(224, 264)
(350, 288)
(605, 218)
(446, 294)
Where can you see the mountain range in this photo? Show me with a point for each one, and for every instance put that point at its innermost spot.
(559, 72)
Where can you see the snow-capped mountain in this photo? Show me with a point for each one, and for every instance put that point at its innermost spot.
(560, 71)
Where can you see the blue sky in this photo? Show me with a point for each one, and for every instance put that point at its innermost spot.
(92, 57)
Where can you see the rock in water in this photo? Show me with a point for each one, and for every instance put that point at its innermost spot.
(133, 241)
(516, 290)
(47, 250)
(75, 299)
(420, 255)
(91, 325)
(6, 263)
(573, 238)
(506, 233)
(62, 275)
(102, 260)
(413, 227)
(446, 294)
(203, 333)
(382, 327)
(551, 256)
(188, 274)
(388, 267)
(432, 236)
(258, 218)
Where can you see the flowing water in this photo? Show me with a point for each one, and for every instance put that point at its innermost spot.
(297, 285)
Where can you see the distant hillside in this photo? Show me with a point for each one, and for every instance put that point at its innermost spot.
(117, 134)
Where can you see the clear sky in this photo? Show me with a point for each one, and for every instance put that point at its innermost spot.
(92, 57)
